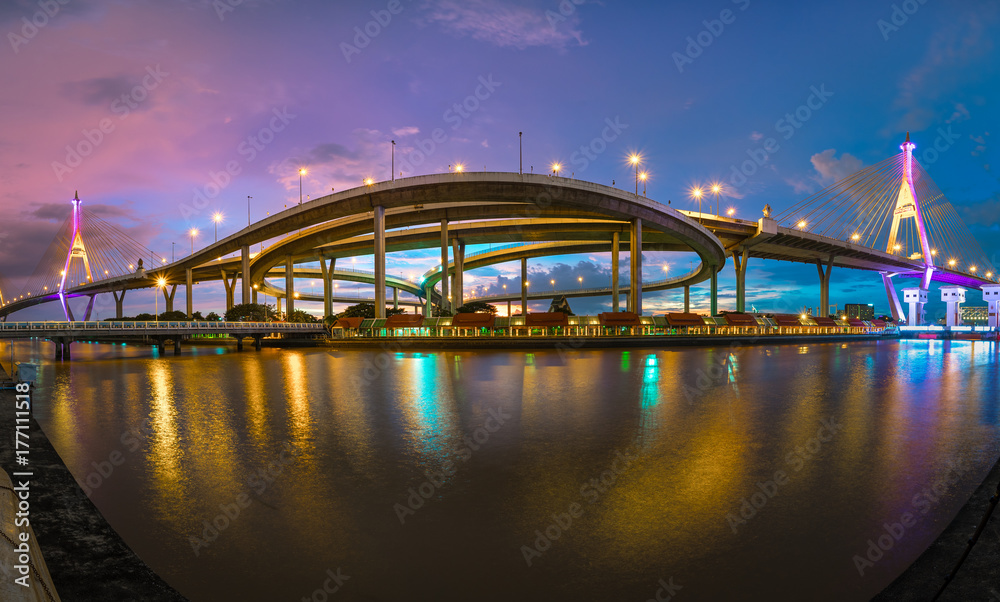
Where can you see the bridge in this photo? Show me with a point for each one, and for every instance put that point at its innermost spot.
(889, 218)
(65, 333)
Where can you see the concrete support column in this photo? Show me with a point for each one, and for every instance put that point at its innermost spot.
(189, 280)
(715, 291)
(289, 286)
(229, 289)
(90, 308)
(824, 285)
(458, 291)
(119, 302)
(954, 296)
(615, 244)
(635, 262)
(177, 346)
(444, 266)
(327, 270)
(168, 298)
(991, 295)
(253, 296)
(245, 271)
(916, 298)
(890, 292)
(687, 299)
(524, 286)
(740, 263)
(379, 240)
(277, 301)
(395, 298)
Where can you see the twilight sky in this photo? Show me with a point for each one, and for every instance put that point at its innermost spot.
(140, 106)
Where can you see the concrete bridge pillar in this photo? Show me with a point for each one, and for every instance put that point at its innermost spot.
(715, 291)
(687, 299)
(229, 288)
(615, 244)
(239, 342)
(524, 286)
(290, 287)
(428, 295)
(458, 291)
(90, 308)
(168, 298)
(395, 298)
(379, 240)
(890, 292)
(916, 297)
(189, 281)
(256, 341)
(327, 269)
(177, 345)
(740, 263)
(119, 302)
(635, 261)
(824, 285)
(954, 296)
(445, 304)
(245, 272)
(991, 295)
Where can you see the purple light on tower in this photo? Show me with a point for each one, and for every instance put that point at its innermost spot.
(907, 148)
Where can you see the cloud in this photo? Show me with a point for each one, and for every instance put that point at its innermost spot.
(503, 24)
(984, 213)
(755, 136)
(832, 169)
(801, 185)
(407, 131)
(99, 90)
(961, 113)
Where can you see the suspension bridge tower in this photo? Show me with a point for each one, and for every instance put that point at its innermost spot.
(908, 207)
(77, 250)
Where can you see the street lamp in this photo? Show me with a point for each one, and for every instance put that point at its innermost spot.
(193, 233)
(716, 190)
(171, 253)
(634, 159)
(731, 211)
(580, 280)
(696, 192)
(555, 168)
(553, 283)
(217, 218)
(643, 176)
(161, 282)
(459, 167)
(302, 172)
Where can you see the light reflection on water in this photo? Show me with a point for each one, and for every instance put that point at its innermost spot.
(703, 428)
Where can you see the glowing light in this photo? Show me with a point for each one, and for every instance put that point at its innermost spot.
(556, 167)
(951, 262)
(459, 167)
(193, 232)
(973, 268)
(896, 247)
(105, 272)
(63, 272)
(696, 192)
(302, 171)
(803, 316)
(634, 158)
(643, 175)
(803, 224)
(716, 188)
(731, 211)
(163, 259)
(933, 251)
(989, 274)
(296, 295)
(161, 282)
(217, 217)
(855, 236)
(369, 181)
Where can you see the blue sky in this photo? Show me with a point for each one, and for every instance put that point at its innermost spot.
(701, 87)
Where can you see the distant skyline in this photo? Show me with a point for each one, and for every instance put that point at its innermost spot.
(162, 114)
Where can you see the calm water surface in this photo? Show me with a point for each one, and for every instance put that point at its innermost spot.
(659, 454)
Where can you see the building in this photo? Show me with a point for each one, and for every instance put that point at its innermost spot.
(862, 311)
(975, 315)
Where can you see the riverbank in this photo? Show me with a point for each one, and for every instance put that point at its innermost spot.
(979, 577)
(567, 343)
(88, 560)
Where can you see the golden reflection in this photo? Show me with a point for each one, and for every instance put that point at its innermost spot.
(165, 450)
(257, 410)
(296, 378)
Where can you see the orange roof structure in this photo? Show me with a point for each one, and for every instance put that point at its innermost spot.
(348, 323)
(683, 319)
(556, 318)
(740, 319)
(404, 321)
(476, 320)
(619, 318)
(786, 320)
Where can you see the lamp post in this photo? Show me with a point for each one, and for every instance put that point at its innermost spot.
(171, 252)
(580, 280)
(217, 218)
(193, 233)
(643, 176)
(634, 159)
(248, 210)
(161, 282)
(302, 172)
(553, 283)
(696, 193)
(717, 190)
(392, 175)
(555, 168)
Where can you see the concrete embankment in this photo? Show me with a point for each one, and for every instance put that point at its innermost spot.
(87, 559)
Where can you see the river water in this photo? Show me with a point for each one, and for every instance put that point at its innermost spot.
(759, 472)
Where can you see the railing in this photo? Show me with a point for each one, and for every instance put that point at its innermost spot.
(160, 325)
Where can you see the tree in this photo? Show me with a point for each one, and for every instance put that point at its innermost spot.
(300, 317)
(437, 312)
(477, 307)
(197, 316)
(366, 310)
(144, 317)
(250, 312)
(173, 315)
(213, 317)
